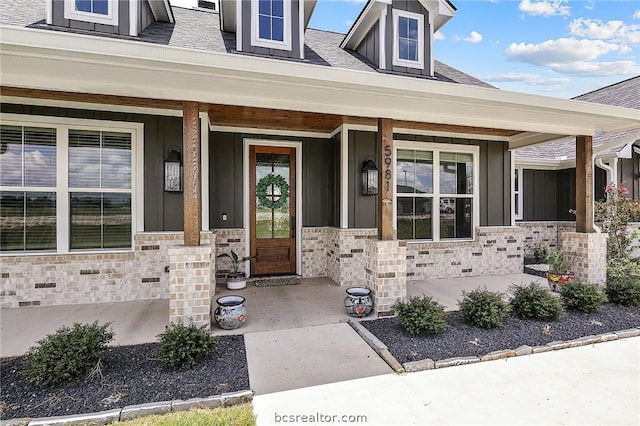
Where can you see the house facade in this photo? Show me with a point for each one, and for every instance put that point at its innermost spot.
(140, 140)
(545, 175)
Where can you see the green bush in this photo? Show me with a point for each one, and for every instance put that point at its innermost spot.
(483, 308)
(535, 301)
(67, 354)
(582, 296)
(421, 315)
(541, 252)
(181, 346)
(624, 291)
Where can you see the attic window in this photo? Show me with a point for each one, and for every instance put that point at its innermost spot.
(103, 12)
(408, 39)
(271, 24)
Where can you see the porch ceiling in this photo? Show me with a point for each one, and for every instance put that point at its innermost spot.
(48, 60)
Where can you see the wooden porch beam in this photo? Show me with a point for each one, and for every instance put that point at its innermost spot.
(584, 184)
(191, 161)
(384, 154)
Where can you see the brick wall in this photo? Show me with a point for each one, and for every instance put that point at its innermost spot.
(345, 255)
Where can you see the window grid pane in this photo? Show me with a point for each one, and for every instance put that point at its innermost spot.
(100, 220)
(408, 38)
(271, 20)
(27, 221)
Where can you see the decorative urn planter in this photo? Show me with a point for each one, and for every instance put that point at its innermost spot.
(231, 312)
(358, 302)
(556, 281)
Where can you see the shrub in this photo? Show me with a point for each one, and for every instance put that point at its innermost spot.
(67, 354)
(582, 296)
(182, 346)
(483, 308)
(624, 291)
(541, 252)
(535, 301)
(421, 315)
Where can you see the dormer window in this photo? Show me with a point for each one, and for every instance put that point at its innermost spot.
(271, 24)
(103, 12)
(408, 39)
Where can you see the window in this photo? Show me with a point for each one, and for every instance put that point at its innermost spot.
(408, 39)
(65, 187)
(271, 24)
(96, 11)
(436, 194)
(517, 193)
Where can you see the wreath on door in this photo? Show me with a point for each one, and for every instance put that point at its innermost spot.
(264, 184)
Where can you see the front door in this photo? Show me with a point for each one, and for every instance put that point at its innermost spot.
(272, 195)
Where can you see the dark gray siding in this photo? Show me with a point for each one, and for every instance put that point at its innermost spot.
(123, 20)
(415, 7)
(370, 45)
(319, 199)
(294, 53)
(145, 16)
(494, 179)
(162, 210)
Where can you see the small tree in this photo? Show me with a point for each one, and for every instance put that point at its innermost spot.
(615, 213)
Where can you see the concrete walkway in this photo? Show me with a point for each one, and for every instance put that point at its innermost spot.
(589, 385)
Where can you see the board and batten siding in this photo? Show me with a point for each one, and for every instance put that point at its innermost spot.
(294, 53)
(494, 179)
(122, 28)
(162, 210)
(319, 170)
(370, 46)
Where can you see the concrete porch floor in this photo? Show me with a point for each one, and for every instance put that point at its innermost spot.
(316, 301)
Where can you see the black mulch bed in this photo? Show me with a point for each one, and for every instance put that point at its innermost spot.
(460, 340)
(130, 375)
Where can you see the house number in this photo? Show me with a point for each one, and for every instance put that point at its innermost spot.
(387, 163)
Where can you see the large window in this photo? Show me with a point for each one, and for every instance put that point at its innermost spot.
(436, 194)
(103, 12)
(408, 39)
(65, 187)
(271, 24)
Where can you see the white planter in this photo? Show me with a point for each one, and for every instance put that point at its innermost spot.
(236, 282)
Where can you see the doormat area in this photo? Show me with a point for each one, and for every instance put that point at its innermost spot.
(275, 281)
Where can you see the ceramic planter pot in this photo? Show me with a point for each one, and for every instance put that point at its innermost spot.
(556, 281)
(236, 282)
(231, 312)
(358, 302)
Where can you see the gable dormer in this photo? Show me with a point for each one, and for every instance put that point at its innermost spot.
(121, 17)
(268, 27)
(397, 35)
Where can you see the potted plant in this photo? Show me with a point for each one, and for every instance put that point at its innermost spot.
(560, 271)
(236, 280)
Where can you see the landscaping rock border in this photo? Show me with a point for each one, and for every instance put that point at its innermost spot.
(379, 347)
(134, 411)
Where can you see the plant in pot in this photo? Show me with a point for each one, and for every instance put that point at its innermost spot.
(560, 272)
(236, 280)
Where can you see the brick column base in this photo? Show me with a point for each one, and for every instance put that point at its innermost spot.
(190, 289)
(590, 251)
(386, 273)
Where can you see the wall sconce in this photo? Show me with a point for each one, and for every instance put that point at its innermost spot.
(369, 177)
(173, 170)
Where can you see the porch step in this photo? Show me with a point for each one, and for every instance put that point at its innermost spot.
(275, 281)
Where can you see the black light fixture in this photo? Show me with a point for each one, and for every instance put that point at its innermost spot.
(173, 170)
(369, 177)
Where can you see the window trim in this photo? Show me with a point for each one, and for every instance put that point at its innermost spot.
(419, 64)
(111, 18)
(62, 190)
(517, 207)
(437, 148)
(271, 44)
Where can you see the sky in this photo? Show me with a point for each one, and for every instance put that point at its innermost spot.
(560, 48)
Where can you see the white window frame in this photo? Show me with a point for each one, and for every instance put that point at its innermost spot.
(111, 18)
(419, 64)
(437, 148)
(271, 44)
(62, 190)
(517, 211)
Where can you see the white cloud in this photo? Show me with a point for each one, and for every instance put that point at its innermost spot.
(474, 37)
(596, 69)
(544, 7)
(615, 30)
(562, 50)
(438, 35)
(589, 5)
(530, 79)
(636, 14)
